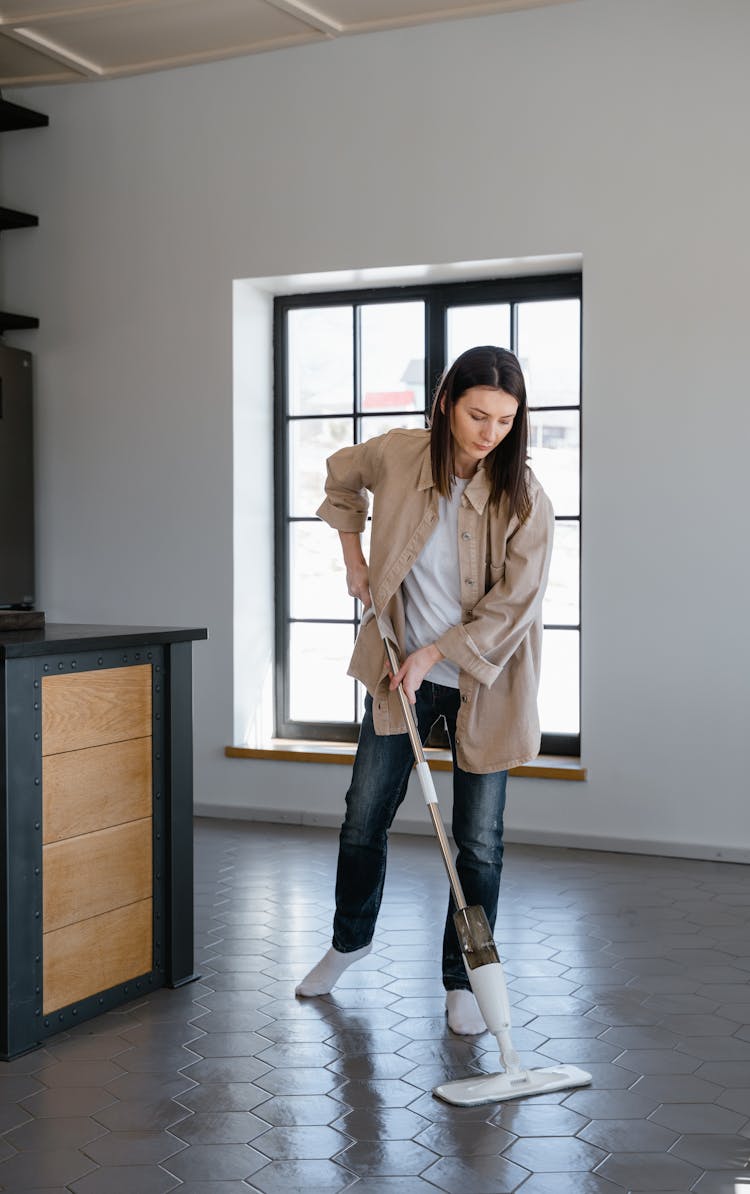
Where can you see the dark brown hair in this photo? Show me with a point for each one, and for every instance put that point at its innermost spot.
(498, 369)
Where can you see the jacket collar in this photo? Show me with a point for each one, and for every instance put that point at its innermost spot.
(477, 491)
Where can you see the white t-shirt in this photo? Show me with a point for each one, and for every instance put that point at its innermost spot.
(432, 589)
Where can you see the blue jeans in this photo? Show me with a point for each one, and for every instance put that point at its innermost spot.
(382, 768)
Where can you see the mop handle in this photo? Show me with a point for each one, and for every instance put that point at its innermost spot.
(425, 780)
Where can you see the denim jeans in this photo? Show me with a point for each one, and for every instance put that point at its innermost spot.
(382, 768)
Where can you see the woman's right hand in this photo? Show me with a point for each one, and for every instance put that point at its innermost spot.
(357, 572)
(358, 582)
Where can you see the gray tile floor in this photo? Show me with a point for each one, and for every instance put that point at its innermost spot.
(635, 968)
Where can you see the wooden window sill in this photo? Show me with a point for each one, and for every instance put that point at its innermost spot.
(290, 750)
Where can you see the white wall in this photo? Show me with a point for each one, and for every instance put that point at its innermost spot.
(616, 131)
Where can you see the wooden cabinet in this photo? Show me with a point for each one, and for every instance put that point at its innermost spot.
(96, 802)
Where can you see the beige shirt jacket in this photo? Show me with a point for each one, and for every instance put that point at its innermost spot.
(504, 566)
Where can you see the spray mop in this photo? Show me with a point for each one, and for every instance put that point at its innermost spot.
(482, 964)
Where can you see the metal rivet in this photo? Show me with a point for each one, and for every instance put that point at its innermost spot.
(36, 735)
(37, 781)
(124, 659)
(73, 663)
(46, 1023)
(61, 1017)
(37, 915)
(36, 870)
(157, 756)
(158, 669)
(36, 824)
(36, 704)
(46, 667)
(60, 666)
(36, 684)
(38, 958)
(158, 688)
(100, 661)
(158, 716)
(75, 1011)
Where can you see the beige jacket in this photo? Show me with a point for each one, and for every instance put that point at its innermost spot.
(504, 566)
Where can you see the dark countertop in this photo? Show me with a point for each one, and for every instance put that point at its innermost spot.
(58, 637)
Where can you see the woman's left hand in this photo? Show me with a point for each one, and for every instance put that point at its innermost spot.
(414, 669)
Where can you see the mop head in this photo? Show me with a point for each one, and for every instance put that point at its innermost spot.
(495, 1088)
(487, 981)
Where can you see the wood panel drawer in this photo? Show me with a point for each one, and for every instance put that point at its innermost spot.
(95, 788)
(93, 708)
(96, 872)
(99, 953)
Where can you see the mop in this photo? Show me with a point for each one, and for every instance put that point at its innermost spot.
(482, 964)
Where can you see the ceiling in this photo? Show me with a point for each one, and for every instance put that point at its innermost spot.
(61, 41)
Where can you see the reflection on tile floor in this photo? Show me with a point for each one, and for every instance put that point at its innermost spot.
(635, 968)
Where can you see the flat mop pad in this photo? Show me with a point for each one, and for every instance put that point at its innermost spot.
(488, 984)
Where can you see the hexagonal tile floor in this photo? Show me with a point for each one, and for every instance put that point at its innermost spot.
(636, 968)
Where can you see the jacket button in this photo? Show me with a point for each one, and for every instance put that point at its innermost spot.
(469, 581)
(465, 535)
(465, 699)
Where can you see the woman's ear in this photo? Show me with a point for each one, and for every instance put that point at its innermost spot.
(442, 404)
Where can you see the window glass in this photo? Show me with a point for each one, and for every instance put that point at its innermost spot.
(311, 442)
(316, 573)
(561, 601)
(558, 688)
(373, 425)
(320, 689)
(554, 454)
(392, 357)
(488, 323)
(319, 360)
(354, 370)
(549, 351)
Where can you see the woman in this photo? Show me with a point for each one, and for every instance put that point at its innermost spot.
(460, 549)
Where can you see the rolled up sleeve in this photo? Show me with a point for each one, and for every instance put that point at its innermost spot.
(503, 617)
(351, 472)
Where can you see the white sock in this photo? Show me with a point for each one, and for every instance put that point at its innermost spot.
(464, 1016)
(323, 977)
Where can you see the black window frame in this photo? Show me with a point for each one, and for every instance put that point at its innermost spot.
(437, 297)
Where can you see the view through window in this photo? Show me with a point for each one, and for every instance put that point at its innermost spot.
(352, 365)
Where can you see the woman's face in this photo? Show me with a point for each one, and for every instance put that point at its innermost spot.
(480, 420)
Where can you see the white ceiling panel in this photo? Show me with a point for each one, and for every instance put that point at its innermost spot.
(59, 40)
(172, 29)
(18, 60)
(364, 15)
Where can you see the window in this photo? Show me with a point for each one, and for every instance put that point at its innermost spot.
(353, 364)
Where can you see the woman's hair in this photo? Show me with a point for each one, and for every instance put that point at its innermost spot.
(498, 369)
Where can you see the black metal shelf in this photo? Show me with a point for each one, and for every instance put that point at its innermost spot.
(16, 219)
(13, 116)
(17, 323)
